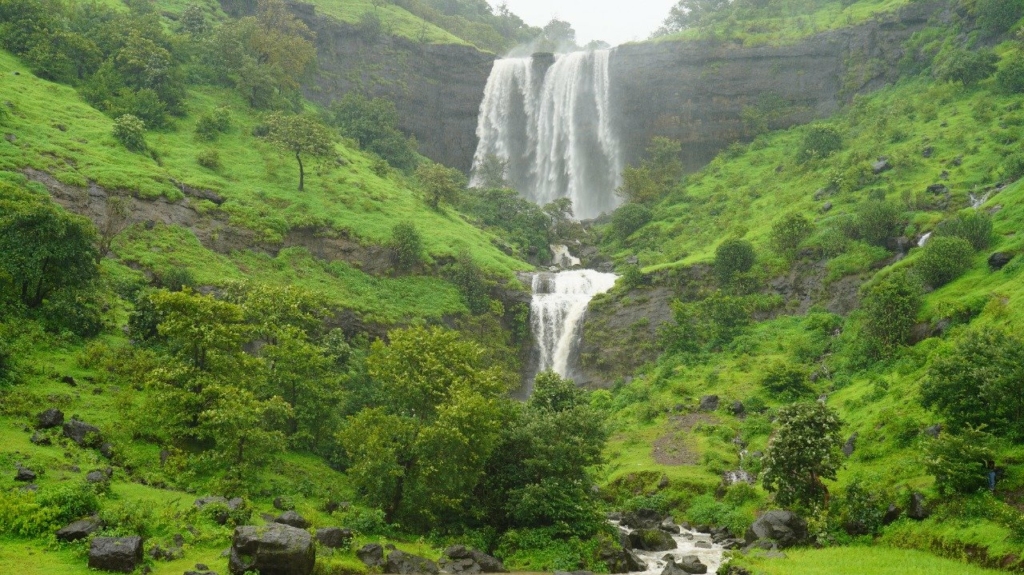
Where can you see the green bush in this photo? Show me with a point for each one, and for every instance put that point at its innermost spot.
(373, 123)
(997, 16)
(632, 277)
(944, 259)
(821, 141)
(973, 226)
(861, 510)
(964, 66)
(471, 281)
(212, 124)
(789, 232)
(959, 462)
(890, 311)
(706, 510)
(785, 381)
(1011, 76)
(878, 222)
(78, 311)
(629, 218)
(209, 159)
(733, 256)
(1013, 167)
(406, 246)
(70, 500)
(131, 132)
(176, 278)
(705, 325)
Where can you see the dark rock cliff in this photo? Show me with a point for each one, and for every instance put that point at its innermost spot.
(436, 88)
(696, 91)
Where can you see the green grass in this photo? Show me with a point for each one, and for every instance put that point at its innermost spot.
(397, 21)
(858, 561)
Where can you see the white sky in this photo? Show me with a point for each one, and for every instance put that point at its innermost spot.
(614, 21)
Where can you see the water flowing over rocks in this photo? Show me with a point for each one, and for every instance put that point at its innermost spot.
(691, 549)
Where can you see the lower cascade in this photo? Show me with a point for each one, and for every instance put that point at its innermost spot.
(556, 314)
(689, 544)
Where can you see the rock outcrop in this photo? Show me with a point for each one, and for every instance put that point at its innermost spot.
(460, 559)
(785, 528)
(120, 554)
(274, 549)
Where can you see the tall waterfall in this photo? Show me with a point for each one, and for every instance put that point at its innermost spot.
(556, 313)
(554, 129)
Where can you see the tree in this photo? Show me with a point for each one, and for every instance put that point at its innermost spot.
(789, 232)
(557, 35)
(707, 324)
(959, 461)
(820, 141)
(733, 256)
(440, 183)
(890, 310)
(804, 450)
(45, 249)
(944, 259)
(629, 218)
(978, 380)
(406, 246)
(373, 123)
(118, 209)
(300, 135)
(491, 173)
(997, 16)
(691, 13)
(193, 21)
(966, 67)
(131, 132)
(660, 170)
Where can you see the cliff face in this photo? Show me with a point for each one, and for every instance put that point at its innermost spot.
(696, 92)
(436, 88)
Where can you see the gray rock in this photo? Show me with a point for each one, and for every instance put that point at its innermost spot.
(161, 553)
(933, 430)
(619, 560)
(702, 544)
(784, 527)
(642, 519)
(284, 504)
(737, 408)
(882, 165)
(52, 417)
(120, 554)
(40, 439)
(918, 509)
(692, 564)
(107, 450)
(96, 476)
(850, 445)
(460, 559)
(927, 152)
(826, 207)
(292, 518)
(938, 189)
(651, 540)
(79, 529)
(371, 554)
(998, 260)
(708, 403)
(25, 474)
(402, 563)
(274, 549)
(891, 515)
(669, 526)
(334, 537)
(82, 433)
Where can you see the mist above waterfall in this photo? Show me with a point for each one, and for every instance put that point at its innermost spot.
(549, 119)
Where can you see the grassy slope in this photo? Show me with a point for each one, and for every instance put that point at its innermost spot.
(741, 194)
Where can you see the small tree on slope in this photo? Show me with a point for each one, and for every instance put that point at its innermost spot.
(804, 451)
(301, 136)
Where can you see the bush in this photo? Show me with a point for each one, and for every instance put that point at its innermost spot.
(471, 281)
(786, 381)
(944, 259)
(789, 232)
(878, 222)
(803, 451)
(733, 256)
(861, 510)
(1013, 168)
(209, 159)
(75, 310)
(632, 277)
(1011, 76)
(176, 278)
(965, 66)
(959, 462)
(705, 325)
(212, 124)
(890, 310)
(131, 132)
(630, 218)
(997, 16)
(973, 226)
(406, 246)
(706, 510)
(821, 141)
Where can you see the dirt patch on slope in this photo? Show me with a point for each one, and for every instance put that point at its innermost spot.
(676, 447)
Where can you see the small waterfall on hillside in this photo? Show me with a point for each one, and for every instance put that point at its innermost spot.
(553, 127)
(556, 314)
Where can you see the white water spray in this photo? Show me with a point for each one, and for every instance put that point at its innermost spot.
(687, 543)
(556, 313)
(554, 130)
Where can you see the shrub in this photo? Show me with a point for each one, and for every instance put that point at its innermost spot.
(706, 510)
(861, 510)
(997, 16)
(786, 381)
(176, 278)
(821, 141)
(707, 324)
(973, 226)
(406, 246)
(632, 277)
(877, 222)
(1011, 76)
(209, 159)
(731, 257)
(471, 281)
(1013, 167)
(212, 124)
(890, 310)
(944, 259)
(959, 462)
(78, 311)
(789, 232)
(131, 132)
(965, 66)
(630, 218)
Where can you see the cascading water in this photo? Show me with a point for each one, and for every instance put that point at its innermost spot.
(556, 314)
(688, 543)
(553, 128)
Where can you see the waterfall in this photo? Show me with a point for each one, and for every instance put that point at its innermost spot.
(688, 542)
(556, 313)
(553, 128)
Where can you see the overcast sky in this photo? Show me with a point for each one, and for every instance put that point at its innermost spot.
(614, 21)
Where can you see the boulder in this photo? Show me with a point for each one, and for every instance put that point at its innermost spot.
(917, 510)
(651, 540)
(25, 474)
(292, 518)
(460, 559)
(371, 554)
(998, 260)
(402, 563)
(891, 515)
(40, 439)
(161, 553)
(826, 207)
(334, 537)
(938, 189)
(642, 519)
(120, 554)
(882, 165)
(221, 517)
(933, 430)
(79, 529)
(96, 476)
(850, 445)
(692, 564)
(82, 433)
(52, 417)
(737, 408)
(284, 504)
(708, 403)
(784, 527)
(107, 450)
(669, 526)
(620, 560)
(274, 549)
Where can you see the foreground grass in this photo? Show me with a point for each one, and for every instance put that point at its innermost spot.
(859, 561)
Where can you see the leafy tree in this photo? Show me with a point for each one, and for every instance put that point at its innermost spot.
(491, 173)
(733, 256)
(959, 461)
(242, 427)
(131, 132)
(471, 281)
(820, 141)
(630, 218)
(944, 259)
(789, 232)
(557, 35)
(966, 67)
(804, 451)
(562, 226)
(978, 380)
(406, 246)
(706, 325)
(520, 221)
(45, 249)
(890, 310)
(117, 210)
(785, 381)
(300, 135)
(997, 16)
(373, 123)
(656, 175)
(691, 13)
(440, 183)
(877, 222)
(1011, 76)
(193, 21)
(211, 125)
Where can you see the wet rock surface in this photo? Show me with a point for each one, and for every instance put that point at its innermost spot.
(273, 549)
(118, 554)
